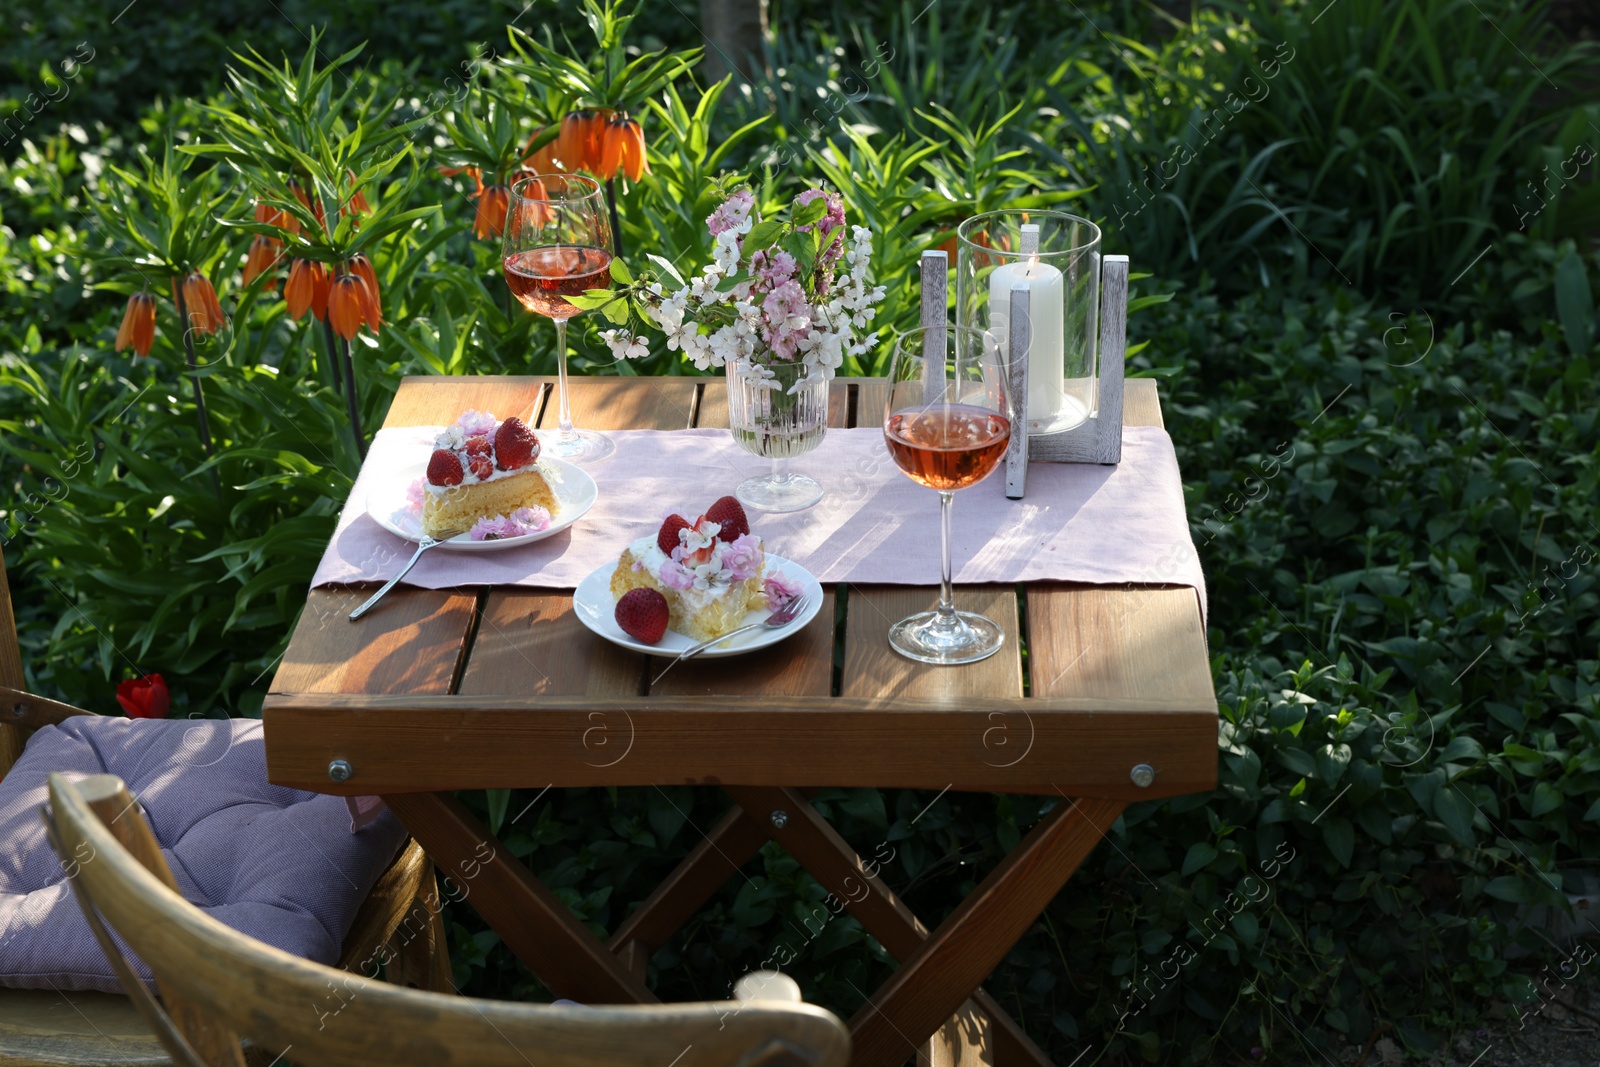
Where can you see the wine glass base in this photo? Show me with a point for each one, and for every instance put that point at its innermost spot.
(795, 493)
(584, 446)
(929, 637)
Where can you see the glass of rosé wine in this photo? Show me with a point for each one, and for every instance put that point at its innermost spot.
(947, 424)
(558, 244)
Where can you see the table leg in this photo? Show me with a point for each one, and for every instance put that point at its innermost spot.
(811, 840)
(735, 838)
(968, 945)
(530, 919)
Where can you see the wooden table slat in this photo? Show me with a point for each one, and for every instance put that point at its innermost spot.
(530, 642)
(625, 404)
(429, 400)
(872, 667)
(412, 643)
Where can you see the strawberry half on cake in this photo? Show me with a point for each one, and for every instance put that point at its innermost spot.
(709, 570)
(482, 469)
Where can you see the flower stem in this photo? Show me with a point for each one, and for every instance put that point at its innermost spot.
(333, 354)
(200, 414)
(345, 382)
(616, 221)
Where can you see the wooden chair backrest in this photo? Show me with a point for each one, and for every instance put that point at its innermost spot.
(321, 1016)
(10, 651)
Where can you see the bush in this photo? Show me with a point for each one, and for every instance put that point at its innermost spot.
(1389, 441)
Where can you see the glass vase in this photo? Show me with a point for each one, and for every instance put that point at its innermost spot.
(777, 411)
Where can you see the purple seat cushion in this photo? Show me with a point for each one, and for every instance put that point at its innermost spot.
(280, 865)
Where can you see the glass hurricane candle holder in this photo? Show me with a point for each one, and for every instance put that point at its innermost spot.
(1056, 256)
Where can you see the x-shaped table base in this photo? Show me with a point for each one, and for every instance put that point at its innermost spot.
(939, 971)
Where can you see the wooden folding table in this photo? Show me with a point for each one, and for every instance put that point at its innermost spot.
(485, 688)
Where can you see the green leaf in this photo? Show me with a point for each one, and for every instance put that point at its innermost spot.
(1455, 811)
(592, 298)
(1340, 837)
(1546, 797)
(807, 214)
(761, 236)
(499, 800)
(619, 271)
(1574, 304)
(1512, 888)
(1200, 854)
(1593, 812)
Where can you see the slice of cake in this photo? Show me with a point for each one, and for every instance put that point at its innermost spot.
(710, 571)
(482, 469)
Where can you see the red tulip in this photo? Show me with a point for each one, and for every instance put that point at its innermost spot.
(145, 698)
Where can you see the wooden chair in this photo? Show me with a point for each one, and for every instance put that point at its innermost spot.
(217, 984)
(399, 921)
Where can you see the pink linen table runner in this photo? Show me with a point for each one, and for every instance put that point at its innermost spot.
(1078, 523)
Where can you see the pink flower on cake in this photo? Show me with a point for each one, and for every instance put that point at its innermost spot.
(742, 558)
(779, 589)
(675, 575)
(415, 493)
(475, 424)
(519, 523)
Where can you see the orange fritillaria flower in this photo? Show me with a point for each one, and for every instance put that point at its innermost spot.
(264, 253)
(635, 163)
(200, 302)
(307, 289)
(138, 328)
(570, 142)
(372, 306)
(314, 207)
(490, 220)
(544, 160)
(347, 305)
(611, 141)
(356, 205)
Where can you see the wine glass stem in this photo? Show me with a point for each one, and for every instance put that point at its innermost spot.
(567, 433)
(780, 471)
(947, 598)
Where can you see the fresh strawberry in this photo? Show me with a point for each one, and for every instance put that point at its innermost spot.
(481, 465)
(729, 514)
(444, 468)
(642, 613)
(667, 539)
(514, 445)
(478, 446)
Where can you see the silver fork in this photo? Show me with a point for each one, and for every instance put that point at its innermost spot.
(422, 546)
(782, 617)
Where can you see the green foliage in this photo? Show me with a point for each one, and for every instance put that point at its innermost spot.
(1388, 436)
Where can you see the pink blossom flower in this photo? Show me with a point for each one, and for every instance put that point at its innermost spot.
(415, 492)
(772, 269)
(474, 423)
(831, 223)
(675, 575)
(742, 559)
(519, 523)
(788, 319)
(779, 589)
(732, 213)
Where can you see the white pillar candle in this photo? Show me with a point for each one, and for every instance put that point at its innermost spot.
(1046, 300)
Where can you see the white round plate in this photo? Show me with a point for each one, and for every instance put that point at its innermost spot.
(574, 489)
(595, 609)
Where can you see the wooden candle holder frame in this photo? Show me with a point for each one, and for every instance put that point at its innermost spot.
(1096, 440)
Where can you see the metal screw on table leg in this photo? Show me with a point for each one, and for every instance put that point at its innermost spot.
(1142, 774)
(340, 770)
(780, 818)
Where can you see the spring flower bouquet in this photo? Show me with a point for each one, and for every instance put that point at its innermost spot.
(778, 293)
